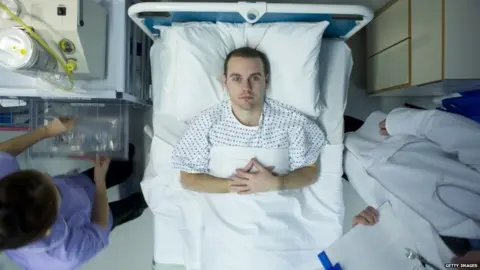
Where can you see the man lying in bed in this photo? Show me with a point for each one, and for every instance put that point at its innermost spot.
(249, 119)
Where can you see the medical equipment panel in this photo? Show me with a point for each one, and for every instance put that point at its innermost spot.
(121, 49)
(100, 128)
(75, 29)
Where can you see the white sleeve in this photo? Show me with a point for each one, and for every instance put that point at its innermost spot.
(455, 134)
(306, 143)
(192, 153)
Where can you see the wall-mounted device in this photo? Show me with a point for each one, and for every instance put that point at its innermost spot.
(75, 29)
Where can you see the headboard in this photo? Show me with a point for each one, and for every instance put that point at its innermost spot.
(345, 20)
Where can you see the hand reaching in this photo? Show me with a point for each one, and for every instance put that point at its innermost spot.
(383, 128)
(100, 171)
(59, 126)
(369, 216)
(246, 182)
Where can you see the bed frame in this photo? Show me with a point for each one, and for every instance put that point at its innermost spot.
(345, 20)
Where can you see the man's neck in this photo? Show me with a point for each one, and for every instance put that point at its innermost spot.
(248, 118)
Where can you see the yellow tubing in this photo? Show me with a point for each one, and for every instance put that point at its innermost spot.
(66, 66)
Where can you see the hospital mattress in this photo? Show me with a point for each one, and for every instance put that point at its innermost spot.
(164, 199)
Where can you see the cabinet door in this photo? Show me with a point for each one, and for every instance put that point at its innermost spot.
(427, 41)
(462, 39)
(389, 69)
(389, 28)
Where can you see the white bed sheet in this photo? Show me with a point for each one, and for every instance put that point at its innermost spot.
(163, 196)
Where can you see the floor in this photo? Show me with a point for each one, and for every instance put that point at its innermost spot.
(131, 246)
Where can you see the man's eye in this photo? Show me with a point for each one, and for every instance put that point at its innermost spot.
(236, 79)
(256, 78)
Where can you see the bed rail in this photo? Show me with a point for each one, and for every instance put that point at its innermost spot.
(345, 20)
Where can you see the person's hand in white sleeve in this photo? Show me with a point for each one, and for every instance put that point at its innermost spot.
(383, 128)
(369, 216)
(455, 134)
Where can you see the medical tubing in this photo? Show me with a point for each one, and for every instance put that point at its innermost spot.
(40, 40)
(446, 204)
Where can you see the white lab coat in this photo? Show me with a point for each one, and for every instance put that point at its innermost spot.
(426, 150)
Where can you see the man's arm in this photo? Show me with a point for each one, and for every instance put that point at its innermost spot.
(306, 143)
(263, 180)
(299, 178)
(191, 157)
(19, 144)
(202, 182)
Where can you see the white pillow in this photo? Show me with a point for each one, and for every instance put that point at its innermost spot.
(293, 50)
(187, 65)
(190, 56)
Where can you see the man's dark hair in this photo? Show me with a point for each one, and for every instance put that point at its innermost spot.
(247, 52)
(28, 208)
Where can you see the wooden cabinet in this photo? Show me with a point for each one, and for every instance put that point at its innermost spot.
(383, 75)
(389, 28)
(424, 48)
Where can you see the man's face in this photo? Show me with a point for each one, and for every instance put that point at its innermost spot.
(246, 82)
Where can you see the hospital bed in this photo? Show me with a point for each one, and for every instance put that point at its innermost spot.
(160, 184)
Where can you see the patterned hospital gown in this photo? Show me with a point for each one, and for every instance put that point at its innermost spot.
(280, 127)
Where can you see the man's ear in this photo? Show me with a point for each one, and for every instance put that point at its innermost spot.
(224, 80)
(267, 79)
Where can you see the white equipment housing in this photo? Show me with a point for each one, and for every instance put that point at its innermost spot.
(81, 23)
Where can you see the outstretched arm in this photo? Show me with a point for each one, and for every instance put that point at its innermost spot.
(299, 178)
(453, 133)
(202, 182)
(19, 144)
(191, 157)
(306, 142)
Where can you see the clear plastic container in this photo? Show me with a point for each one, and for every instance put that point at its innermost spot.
(100, 128)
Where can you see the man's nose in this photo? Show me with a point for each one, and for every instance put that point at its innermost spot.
(246, 85)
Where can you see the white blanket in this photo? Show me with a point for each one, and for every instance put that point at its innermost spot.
(427, 240)
(272, 230)
(316, 215)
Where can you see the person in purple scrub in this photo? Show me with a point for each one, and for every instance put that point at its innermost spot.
(61, 222)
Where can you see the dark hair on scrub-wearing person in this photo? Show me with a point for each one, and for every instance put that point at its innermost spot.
(59, 222)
